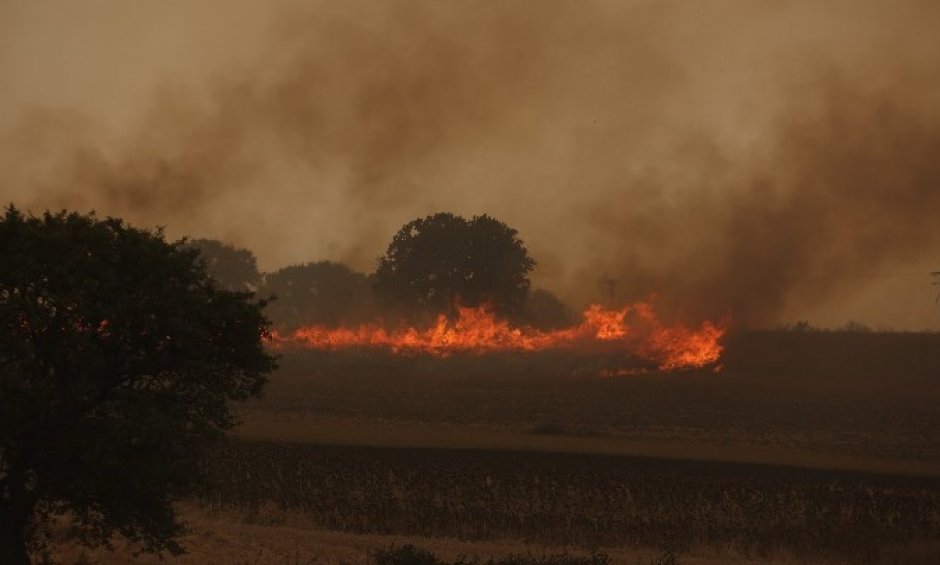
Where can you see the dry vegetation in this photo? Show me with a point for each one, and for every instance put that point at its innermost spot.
(579, 500)
(278, 537)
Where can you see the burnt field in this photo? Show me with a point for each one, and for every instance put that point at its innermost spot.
(816, 445)
(835, 394)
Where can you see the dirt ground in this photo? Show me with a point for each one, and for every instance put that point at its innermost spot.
(310, 428)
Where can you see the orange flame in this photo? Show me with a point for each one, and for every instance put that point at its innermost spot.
(477, 330)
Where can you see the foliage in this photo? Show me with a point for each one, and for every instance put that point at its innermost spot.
(118, 356)
(233, 268)
(546, 311)
(411, 555)
(666, 558)
(855, 327)
(800, 326)
(317, 293)
(550, 559)
(435, 261)
(405, 555)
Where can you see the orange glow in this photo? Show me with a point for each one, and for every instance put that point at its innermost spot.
(633, 329)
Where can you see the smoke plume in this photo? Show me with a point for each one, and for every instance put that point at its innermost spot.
(772, 161)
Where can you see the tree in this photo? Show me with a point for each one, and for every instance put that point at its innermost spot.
(436, 261)
(546, 311)
(118, 357)
(317, 293)
(233, 268)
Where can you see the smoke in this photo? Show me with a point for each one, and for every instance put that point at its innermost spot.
(771, 161)
(846, 191)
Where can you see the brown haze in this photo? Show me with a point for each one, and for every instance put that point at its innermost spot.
(775, 161)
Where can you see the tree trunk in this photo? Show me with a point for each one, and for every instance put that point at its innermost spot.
(13, 536)
(16, 507)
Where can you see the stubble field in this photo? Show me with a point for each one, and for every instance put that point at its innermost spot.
(806, 446)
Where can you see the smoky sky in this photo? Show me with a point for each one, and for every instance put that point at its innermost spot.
(773, 161)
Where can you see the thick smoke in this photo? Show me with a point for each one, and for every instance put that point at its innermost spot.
(769, 161)
(848, 190)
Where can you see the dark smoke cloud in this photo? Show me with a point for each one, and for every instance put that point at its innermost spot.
(849, 188)
(760, 159)
(372, 106)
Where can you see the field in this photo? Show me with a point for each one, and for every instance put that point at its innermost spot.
(857, 399)
(804, 447)
(577, 500)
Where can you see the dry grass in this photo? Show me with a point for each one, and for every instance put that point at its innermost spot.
(584, 500)
(285, 538)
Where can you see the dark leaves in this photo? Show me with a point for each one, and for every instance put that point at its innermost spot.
(118, 358)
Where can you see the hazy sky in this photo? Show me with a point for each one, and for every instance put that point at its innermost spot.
(777, 160)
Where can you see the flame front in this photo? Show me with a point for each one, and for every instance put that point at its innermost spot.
(635, 329)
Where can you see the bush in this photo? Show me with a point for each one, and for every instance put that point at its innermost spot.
(405, 555)
(411, 555)
(666, 558)
(552, 559)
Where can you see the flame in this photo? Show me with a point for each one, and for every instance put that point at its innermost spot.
(477, 330)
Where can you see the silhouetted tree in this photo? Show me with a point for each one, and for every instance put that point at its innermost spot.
(233, 268)
(434, 261)
(317, 293)
(118, 357)
(546, 311)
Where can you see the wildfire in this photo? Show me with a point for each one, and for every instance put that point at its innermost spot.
(633, 329)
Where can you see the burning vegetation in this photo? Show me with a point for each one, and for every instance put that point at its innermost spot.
(633, 329)
(448, 285)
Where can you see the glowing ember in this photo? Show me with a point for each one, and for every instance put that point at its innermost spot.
(477, 330)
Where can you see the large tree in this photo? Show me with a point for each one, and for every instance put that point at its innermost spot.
(434, 262)
(546, 311)
(323, 292)
(118, 358)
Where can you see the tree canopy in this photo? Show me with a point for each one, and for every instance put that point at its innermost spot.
(546, 311)
(231, 267)
(118, 358)
(433, 262)
(317, 293)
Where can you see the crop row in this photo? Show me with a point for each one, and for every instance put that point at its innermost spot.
(581, 500)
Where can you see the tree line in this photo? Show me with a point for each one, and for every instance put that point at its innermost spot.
(430, 265)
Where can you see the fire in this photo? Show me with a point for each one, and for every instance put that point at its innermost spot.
(633, 329)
